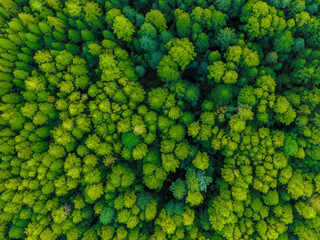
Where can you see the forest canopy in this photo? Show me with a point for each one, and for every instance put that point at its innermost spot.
(165, 119)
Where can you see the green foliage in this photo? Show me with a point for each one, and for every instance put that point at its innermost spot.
(122, 176)
(107, 215)
(299, 187)
(201, 161)
(226, 37)
(7, 44)
(204, 181)
(177, 132)
(222, 94)
(157, 97)
(271, 198)
(92, 14)
(183, 23)
(154, 176)
(247, 96)
(217, 71)
(16, 232)
(159, 119)
(272, 57)
(168, 69)
(191, 180)
(123, 28)
(181, 51)
(178, 189)
(290, 146)
(130, 140)
(306, 210)
(157, 19)
(143, 200)
(151, 210)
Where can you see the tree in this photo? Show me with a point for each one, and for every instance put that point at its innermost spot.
(188, 217)
(94, 191)
(169, 162)
(154, 175)
(178, 189)
(261, 20)
(177, 132)
(92, 14)
(202, 43)
(157, 97)
(182, 150)
(181, 51)
(7, 44)
(192, 181)
(151, 210)
(183, 23)
(194, 198)
(201, 161)
(218, 19)
(284, 42)
(123, 28)
(272, 57)
(298, 187)
(281, 105)
(247, 96)
(166, 222)
(130, 140)
(233, 54)
(290, 146)
(230, 77)
(220, 218)
(57, 23)
(139, 151)
(157, 19)
(305, 210)
(148, 30)
(230, 126)
(107, 215)
(168, 69)
(122, 176)
(222, 94)
(16, 232)
(280, 160)
(224, 5)
(192, 94)
(271, 198)
(203, 180)
(216, 71)
(107, 232)
(250, 58)
(63, 59)
(226, 37)
(148, 44)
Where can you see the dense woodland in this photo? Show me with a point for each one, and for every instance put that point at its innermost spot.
(165, 119)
